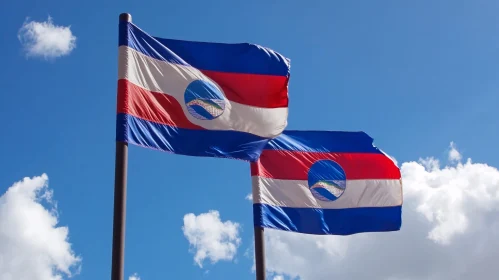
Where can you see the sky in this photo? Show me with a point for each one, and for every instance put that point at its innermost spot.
(420, 77)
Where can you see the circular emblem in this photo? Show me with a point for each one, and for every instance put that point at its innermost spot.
(326, 180)
(204, 100)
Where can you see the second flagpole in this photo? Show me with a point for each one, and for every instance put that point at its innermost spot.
(259, 253)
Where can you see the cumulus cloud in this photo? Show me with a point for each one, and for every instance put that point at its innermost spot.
(45, 39)
(450, 228)
(210, 238)
(32, 245)
(135, 276)
(454, 154)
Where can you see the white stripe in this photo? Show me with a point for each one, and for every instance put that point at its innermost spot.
(172, 79)
(296, 194)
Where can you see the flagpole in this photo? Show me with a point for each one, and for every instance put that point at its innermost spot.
(259, 253)
(120, 176)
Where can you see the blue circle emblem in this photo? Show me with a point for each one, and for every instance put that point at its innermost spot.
(326, 180)
(204, 100)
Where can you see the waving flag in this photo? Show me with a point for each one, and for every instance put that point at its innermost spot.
(321, 182)
(199, 98)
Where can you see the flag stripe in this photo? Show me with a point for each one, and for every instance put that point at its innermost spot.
(165, 109)
(221, 57)
(296, 193)
(323, 142)
(253, 90)
(290, 165)
(193, 142)
(328, 221)
(152, 106)
(248, 89)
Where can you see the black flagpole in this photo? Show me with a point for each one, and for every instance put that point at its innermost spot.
(120, 176)
(259, 253)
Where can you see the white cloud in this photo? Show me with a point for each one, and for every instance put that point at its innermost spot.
(32, 246)
(44, 39)
(449, 231)
(454, 155)
(249, 197)
(211, 238)
(135, 276)
(278, 277)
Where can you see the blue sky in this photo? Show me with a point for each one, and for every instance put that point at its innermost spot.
(413, 75)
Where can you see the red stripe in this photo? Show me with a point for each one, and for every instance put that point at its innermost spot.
(151, 106)
(265, 91)
(295, 165)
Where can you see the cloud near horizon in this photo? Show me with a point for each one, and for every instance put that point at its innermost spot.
(45, 39)
(32, 246)
(449, 231)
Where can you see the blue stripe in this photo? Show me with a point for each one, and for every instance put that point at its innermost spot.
(237, 58)
(203, 143)
(328, 221)
(323, 141)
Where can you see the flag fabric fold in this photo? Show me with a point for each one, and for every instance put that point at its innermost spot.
(326, 182)
(199, 98)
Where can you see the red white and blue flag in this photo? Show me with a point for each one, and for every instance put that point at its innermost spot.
(324, 182)
(199, 98)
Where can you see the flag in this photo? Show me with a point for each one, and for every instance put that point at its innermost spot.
(324, 182)
(199, 98)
